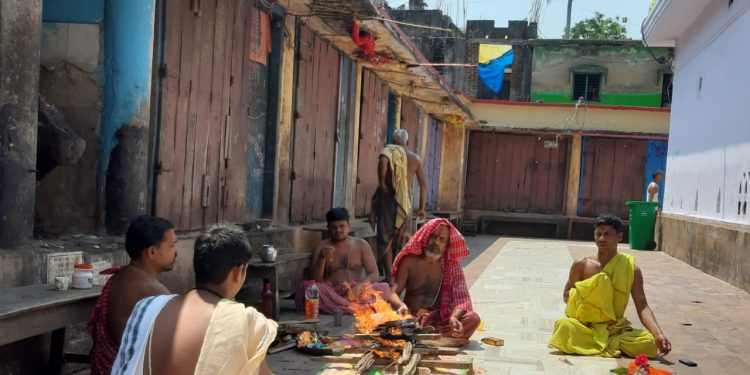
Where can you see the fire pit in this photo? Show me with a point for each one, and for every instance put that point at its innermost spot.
(392, 343)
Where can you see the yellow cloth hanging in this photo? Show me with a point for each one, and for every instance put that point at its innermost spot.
(397, 160)
(489, 52)
(595, 322)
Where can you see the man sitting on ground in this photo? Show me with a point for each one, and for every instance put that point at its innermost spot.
(340, 266)
(151, 244)
(597, 294)
(202, 331)
(428, 269)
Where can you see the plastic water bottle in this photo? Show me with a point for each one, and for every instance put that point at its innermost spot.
(312, 301)
(266, 300)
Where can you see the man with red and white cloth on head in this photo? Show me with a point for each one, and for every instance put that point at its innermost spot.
(428, 269)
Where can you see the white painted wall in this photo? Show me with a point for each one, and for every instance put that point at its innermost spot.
(709, 140)
(78, 44)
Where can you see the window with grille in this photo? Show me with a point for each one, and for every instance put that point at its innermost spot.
(588, 86)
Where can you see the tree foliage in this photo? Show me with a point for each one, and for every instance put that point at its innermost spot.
(600, 28)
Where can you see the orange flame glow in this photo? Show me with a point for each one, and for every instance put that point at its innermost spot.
(370, 310)
(392, 354)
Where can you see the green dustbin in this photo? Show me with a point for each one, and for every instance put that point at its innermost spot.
(642, 218)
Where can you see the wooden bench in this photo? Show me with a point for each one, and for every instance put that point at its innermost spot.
(453, 216)
(260, 270)
(558, 221)
(573, 220)
(37, 309)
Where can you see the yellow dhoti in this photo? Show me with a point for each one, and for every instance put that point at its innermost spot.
(595, 322)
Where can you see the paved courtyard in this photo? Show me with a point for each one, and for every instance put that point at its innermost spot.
(516, 286)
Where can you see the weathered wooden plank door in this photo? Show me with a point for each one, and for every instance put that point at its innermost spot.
(316, 110)
(516, 173)
(202, 150)
(611, 174)
(372, 136)
(433, 159)
(344, 138)
(411, 116)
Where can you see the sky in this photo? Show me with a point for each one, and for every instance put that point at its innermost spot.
(552, 21)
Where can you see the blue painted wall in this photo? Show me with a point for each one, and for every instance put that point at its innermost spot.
(128, 50)
(257, 118)
(656, 160)
(73, 11)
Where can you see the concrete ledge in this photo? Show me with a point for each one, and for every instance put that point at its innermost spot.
(717, 248)
(485, 218)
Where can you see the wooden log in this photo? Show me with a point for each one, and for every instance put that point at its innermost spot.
(411, 367)
(417, 337)
(282, 347)
(364, 363)
(431, 363)
(299, 322)
(417, 349)
(406, 353)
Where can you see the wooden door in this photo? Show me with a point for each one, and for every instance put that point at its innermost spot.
(372, 136)
(411, 116)
(612, 173)
(516, 173)
(202, 149)
(433, 159)
(316, 110)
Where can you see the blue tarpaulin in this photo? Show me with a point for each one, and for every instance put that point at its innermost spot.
(493, 72)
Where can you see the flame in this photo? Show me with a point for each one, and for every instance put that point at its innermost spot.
(392, 354)
(370, 309)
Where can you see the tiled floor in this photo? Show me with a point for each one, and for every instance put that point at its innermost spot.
(516, 286)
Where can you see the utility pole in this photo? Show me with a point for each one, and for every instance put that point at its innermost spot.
(567, 22)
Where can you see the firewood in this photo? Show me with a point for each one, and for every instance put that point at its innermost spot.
(411, 367)
(364, 363)
(431, 363)
(282, 347)
(297, 322)
(406, 353)
(417, 337)
(417, 349)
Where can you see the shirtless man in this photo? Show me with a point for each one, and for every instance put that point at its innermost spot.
(341, 265)
(413, 169)
(391, 204)
(428, 269)
(596, 295)
(203, 331)
(151, 244)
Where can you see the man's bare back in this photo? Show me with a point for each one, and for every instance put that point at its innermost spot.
(412, 164)
(423, 283)
(130, 285)
(179, 332)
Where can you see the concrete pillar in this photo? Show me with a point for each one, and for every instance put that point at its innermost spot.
(124, 135)
(20, 40)
(452, 168)
(574, 176)
(283, 186)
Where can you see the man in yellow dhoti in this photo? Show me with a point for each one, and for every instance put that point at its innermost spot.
(597, 294)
